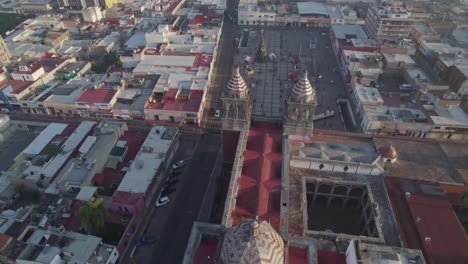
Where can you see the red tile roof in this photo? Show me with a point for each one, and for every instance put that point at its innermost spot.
(435, 221)
(202, 60)
(206, 252)
(4, 240)
(328, 257)
(408, 234)
(48, 61)
(17, 86)
(424, 216)
(260, 181)
(200, 19)
(102, 95)
(192, 104)
(297, 255)
(391, 100)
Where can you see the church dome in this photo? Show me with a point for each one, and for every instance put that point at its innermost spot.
(236, 85)
(303, 89)
(252, 241)
(388, 153)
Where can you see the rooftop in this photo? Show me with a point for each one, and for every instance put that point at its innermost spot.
(14, 86)
(99, 95)
(148, 160)
(448, 115)
(70, 145)
(394, 114)
(427, 161)
(443, 238)
(44, 138)
(259, 184)
(369, 95)
(362, 153)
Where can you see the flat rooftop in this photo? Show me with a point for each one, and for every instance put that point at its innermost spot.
(426, 160)
(44, 138)
(148, 160)
(70, 145)
(334, 151)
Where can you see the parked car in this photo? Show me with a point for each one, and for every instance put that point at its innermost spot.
(218, 113)
(162, 201)
(178, 164)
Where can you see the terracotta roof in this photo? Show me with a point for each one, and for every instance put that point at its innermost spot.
(260, 182)
(442, 236)
(102, 95)
(192, 104)
(4, 240)
(17, 86)
(388, 152)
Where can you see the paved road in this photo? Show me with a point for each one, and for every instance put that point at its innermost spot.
(223, 65)
(171, 224)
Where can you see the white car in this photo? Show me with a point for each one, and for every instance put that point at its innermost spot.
(217, 113)
(162, 201)
(178, 164)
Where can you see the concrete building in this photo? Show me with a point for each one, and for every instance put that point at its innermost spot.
(388, 23)
(92, 14)
(36, 6)
(91, 159)
(138, 185)
(47, 246)
(80, 4)
(38, 171)
(4, 53)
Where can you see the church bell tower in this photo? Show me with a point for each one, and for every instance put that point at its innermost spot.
(299, 117)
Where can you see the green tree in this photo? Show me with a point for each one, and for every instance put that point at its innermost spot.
(236, 43)
(93, 215)
(261, 55)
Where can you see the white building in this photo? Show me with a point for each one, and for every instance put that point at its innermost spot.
(92, 14)
(47, 246)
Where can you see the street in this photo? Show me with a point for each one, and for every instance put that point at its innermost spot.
(171, 224)
(222, 67)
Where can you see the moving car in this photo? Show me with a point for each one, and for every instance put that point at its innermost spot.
(178, 164)
(146, 240)
(162, 201)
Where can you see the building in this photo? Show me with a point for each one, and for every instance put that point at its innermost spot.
(92, 14)
(236, 103)
(386, 23)
(138, 185)
(47, 246)
(4, 53)
(299, 118)
(81, 4)
(36, 6)
(427, 221)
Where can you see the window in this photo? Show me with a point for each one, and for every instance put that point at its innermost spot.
(171, 118)
(346, 168)
(156, 117)
(321, 166)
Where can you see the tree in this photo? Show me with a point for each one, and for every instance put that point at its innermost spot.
(93, 215)
(236, 43)
(261, 55)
